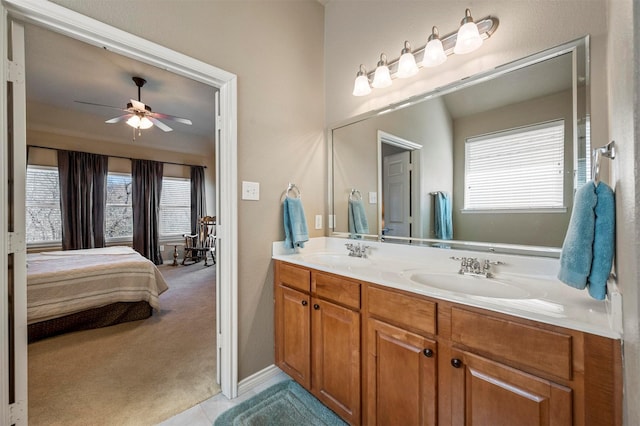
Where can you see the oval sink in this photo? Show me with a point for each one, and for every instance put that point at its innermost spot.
(472, 285)
(336, 260)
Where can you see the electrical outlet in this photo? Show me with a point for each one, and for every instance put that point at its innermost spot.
(318, 221)
(250, 191)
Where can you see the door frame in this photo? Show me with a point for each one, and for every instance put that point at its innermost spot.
(75, 25)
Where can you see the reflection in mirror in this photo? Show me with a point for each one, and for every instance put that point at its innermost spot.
(507, 147)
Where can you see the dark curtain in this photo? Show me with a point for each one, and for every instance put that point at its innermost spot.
(83, 179)
(146, 177)
(198, 198)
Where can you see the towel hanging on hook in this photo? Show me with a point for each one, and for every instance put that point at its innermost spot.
(292, 188)
(355, 195)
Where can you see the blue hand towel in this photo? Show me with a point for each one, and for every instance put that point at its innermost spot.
(358, 223)
(443, 220)
(603, 242)
(295, 223)
(587, 251)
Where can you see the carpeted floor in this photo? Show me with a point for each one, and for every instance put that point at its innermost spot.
(138, 373)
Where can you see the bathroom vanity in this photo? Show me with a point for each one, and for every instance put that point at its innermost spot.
(383, 340)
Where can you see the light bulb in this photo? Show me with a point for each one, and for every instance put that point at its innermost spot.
(361, 86)
(382, 77)
(468, 38)
(407, 66)
(433, 52)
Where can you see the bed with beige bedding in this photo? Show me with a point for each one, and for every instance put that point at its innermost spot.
(80, 289)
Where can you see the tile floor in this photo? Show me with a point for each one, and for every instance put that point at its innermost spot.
(205, 413)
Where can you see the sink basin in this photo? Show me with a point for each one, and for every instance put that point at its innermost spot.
(501, 288)
(336, 260)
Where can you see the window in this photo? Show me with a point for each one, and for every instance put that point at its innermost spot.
(518, 169)
(118, 213)
(175, 207)
(43, 221)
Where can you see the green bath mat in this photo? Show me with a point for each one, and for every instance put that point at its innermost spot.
(283, 404)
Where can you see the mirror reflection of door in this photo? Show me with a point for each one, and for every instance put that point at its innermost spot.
(396, 200)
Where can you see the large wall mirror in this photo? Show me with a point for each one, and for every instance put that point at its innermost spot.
(480, 138)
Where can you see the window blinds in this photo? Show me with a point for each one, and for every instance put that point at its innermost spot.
(518, 169)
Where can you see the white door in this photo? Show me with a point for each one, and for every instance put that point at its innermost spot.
(12, 189)
(397, 195)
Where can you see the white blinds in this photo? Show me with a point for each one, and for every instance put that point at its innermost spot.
(516, 169)
(175, 206)
(43, 220)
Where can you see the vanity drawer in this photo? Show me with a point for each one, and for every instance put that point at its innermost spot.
(338, 289)
(543, 350)
(294, 276)
(407, 311)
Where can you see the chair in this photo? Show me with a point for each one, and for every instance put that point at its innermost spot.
(203, 244)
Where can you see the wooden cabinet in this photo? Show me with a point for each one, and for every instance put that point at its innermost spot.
(485, 392)
(317, 323)
(381, 356)
(401, 359)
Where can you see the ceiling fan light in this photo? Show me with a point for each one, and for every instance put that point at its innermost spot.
(134, 121)
(145, 123)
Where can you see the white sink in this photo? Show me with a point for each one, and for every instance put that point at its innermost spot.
(336, 260)
(499, 287)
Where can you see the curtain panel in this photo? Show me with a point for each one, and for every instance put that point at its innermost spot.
(146, 177)
(83, 179)
(198, 197)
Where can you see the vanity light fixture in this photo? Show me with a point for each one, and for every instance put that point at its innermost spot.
(407, 66)
(361, 86)
(382, 77)
(466, 39)
(433, 52)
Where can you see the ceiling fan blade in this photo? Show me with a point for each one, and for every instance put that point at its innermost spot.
(118, 119)
(172, 118)
(100, 105)
(160, 124)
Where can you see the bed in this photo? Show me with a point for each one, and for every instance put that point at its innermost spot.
(83, 289)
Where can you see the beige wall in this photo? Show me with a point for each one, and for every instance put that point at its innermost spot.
(538, 229)
(276, 50)
(624, 74)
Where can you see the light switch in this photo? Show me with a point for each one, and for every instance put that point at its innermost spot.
(250, 191)
(373, 197)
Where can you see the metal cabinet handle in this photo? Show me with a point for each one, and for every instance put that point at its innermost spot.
(316, 306)
(304, 303)
(428, 353)
(456, 363)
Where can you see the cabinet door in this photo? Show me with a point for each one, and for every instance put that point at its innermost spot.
(401, 376)
(336, 358)
(489, 393)
(293, 344)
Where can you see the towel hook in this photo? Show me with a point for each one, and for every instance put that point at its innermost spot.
(608, 151)
(355, 195)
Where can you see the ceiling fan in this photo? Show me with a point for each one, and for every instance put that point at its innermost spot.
(141, 116)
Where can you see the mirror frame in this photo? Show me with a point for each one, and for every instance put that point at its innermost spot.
(581, 66)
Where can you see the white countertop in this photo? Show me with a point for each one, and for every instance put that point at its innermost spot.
(545, 299)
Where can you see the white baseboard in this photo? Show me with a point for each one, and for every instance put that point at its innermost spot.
(256, 379)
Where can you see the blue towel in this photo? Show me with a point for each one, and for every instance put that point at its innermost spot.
(443, 220)
(295, 224)
(587, 251)
(358, 223)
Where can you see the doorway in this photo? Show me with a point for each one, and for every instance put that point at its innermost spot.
(61, 20)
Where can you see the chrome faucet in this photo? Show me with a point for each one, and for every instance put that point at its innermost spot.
(475, 267)
(357, 250)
